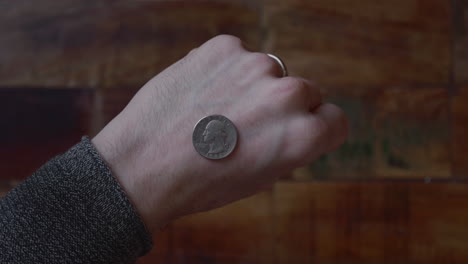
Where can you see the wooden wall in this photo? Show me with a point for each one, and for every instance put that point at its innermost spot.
(395, 192)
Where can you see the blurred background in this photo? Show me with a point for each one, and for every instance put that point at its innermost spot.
(395, 192)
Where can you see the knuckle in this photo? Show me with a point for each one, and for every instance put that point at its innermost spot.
(341, 122)
(220, 48)
(321, 139)
(336, 127)
(319, 134)
(292, 89)
(227, 42)
(292, 84)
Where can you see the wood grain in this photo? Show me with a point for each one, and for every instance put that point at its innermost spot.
(459, 133)
(438, 224)
(162, 248)
(341, 43)
(239, 233)
(461, 43)
(394, 133)
(330, 223)
(88, 44)
(38, 124)
(371, 223)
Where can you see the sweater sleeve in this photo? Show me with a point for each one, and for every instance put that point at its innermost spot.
(72, 210)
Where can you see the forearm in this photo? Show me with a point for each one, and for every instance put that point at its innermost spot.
(71, 210)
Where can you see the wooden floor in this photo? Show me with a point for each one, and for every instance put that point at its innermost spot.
(395, 192)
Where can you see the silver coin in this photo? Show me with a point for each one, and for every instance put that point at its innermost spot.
(214, 137)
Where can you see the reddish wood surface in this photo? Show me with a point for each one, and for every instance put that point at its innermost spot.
(460, 133)
(371, 43)
(330, 223)
(460, 27)
(108, 44)
(396, 133)
(395, 192)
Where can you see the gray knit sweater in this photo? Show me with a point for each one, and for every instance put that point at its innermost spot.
(72, 210)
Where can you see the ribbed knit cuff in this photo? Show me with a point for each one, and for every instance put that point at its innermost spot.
(72, 210)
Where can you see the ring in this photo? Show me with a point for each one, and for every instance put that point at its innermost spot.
(281, 63)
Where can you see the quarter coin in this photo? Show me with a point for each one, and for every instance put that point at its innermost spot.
(214, 137)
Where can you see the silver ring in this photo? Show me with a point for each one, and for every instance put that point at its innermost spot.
(281, 63)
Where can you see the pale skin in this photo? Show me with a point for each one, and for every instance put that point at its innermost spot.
(282, 124)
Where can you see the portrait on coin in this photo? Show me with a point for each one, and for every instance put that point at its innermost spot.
(215, 135)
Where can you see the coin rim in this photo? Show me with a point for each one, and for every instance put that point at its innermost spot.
(235, 142)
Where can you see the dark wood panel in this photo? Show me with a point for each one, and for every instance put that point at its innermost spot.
(461, 42)
(371, 43)
(460, 133)
(342, 223)
(119, 44)
(239, 233)
(326, 223)
(162, 248)
(371, 223)
(394, 133)
(438, 224)
(331, 223)
(38, 124)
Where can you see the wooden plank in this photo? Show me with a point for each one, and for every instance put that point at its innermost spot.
(395, 133)
(340, 223)
(438, 224)
(461, 42)
(39, 124)
(239, 233)
(371, 223)
(327, 223)
(90, 44)
(365, 44)
(162, 248)
(459, 133)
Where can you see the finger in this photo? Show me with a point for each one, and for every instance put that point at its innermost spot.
(229, 43)
(298, 93)
(313, 134)
(334, 127)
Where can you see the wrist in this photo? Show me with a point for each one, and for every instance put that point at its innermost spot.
(122, 160)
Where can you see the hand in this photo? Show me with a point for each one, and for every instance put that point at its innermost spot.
(282, 124)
